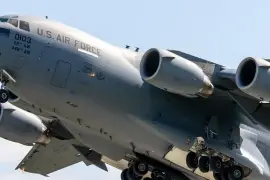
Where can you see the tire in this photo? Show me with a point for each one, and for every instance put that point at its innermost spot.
(132, 176)
(3, 96)
(217, 176)
(192, 160)
(224, 174)
(235, 173)
(124, 174)
(147, 178)
(216, 164)
(204, 164)
(140, 171)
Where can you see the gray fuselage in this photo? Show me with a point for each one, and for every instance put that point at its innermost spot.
(96, 90)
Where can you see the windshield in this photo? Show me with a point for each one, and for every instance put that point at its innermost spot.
(14, 22)
(24, 25)
(3, 20)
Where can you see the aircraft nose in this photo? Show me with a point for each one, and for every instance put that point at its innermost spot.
(4, 41)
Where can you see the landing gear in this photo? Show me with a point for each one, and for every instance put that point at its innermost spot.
(3, 95)
(124, 174)
(5, 77)
(135, 171)
(128, 174)
(204, 164)
(222, 166)
(158, 175)
(216, 164)
(217, 176)
(140, 168)
(235, 173)
(192, 160)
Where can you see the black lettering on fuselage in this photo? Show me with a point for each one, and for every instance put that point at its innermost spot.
(60, 38)
(83, 46)
(48, 34)
(88, 47)
(67, 40)
(40, 32)
(94, 50)
(76, 43)
(98, 52)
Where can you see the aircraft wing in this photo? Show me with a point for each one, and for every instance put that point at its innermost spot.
(57, 155)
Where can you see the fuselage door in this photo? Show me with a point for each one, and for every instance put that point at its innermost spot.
(61, 74)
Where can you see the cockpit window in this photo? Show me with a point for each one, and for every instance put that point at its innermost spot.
(3, 20)
(24, 25)
(14, 22)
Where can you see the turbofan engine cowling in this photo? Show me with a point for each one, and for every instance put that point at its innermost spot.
(174, 74)
(252, 77)
(20, 126)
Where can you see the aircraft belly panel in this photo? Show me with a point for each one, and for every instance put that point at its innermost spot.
(61, 74)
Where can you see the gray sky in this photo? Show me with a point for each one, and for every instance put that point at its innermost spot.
(224, 32)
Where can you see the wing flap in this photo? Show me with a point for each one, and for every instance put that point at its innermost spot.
(44, 160)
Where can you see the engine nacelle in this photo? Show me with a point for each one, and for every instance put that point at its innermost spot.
(253, 78)
(20, 126)
(174, 74)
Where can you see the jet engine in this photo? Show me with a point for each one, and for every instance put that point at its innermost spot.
(252, 77)
(20, 126)
(174, 74)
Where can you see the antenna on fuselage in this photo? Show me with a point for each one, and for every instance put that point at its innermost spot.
(137, 49)
(46, 17)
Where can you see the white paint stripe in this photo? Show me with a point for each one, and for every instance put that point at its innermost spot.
(87, 52)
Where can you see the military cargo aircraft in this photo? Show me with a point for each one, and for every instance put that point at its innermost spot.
(74, 97)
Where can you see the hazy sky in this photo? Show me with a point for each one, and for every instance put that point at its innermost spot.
(224, 32)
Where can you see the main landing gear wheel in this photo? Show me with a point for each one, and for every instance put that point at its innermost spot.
(204, 164)
(157, 175)
(216, 164)
(3, 96)
(192, 160)
(140, 168)
(217, 176)
(132, 176)
(235, 173)
(127, 174)
(124, 175)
